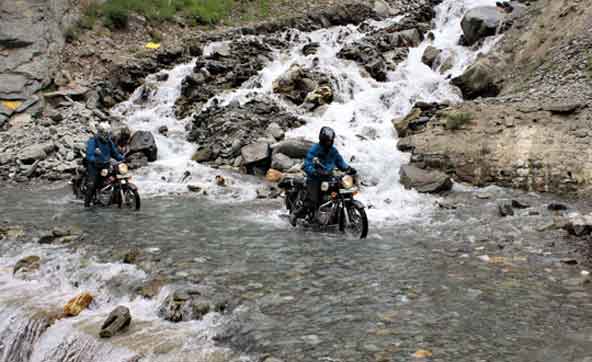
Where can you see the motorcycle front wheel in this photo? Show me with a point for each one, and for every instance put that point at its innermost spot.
(131, 199)
(358, 221)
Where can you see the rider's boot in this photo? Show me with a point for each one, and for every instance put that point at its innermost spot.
(297, 214)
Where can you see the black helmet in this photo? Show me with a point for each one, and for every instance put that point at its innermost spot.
(327, 137)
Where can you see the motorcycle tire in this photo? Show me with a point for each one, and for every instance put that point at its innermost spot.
(363, 220)
(135, 204)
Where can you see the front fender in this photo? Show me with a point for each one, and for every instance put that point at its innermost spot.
(132, 186)
(358, 204)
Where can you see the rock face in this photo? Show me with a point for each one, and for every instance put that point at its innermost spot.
(424, 181)
(117, 321)
(224, 132)
(31, 35)
(510, 145)
(481, 22)
(430, 55)
(479, 80)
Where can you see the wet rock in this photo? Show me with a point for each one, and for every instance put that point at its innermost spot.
(298, 83)
(203, 154)
(562, 108)
(310, 48)
(276, 131)
(294, 148)
(28, 264)
(517, 204)
(557, 207)
(504, 208)
(402, 124)
(163, 130)
(424, 181)
(76, 305)
(131, 256)
(481, 22)
(225, 131)
(320, 96)
(184, 305)
(118, 321)
(194, 188)
(256, 152)
(144, 142)
(136, 161)
(268, 192)
(220, 181)
(430, 55)
(578, 225)
(479, 80)
(281, 162)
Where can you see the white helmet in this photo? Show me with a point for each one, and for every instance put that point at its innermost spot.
(103, 130)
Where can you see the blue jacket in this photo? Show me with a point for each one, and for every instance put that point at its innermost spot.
(330, 160)
(106, 151)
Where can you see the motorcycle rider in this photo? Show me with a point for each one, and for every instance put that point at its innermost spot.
(100, 150)
(321, 160)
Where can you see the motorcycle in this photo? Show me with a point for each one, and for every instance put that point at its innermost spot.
(338, 206)
(115, 189)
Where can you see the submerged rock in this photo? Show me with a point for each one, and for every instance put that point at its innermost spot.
(183, 305)
(505, 208)
(424, 181)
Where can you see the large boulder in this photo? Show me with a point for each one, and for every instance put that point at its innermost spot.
(117, 321)
(479, 80)
(256, 152)
(34, 153)
(281, 162)
(424, 181)
(430, 55)
(294, 148)
(298, 84)
(481, 22)
(144, 142)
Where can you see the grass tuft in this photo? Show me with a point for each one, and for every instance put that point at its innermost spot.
(456, 120)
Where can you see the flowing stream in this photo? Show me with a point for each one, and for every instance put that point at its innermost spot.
(457, 285)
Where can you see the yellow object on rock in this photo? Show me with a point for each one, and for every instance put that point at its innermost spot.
(12, 105)
(152, 45)
(76, 305)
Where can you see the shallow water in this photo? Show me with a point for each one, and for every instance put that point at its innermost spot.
(319, 296)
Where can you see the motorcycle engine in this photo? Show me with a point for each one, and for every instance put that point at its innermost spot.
(104, 196)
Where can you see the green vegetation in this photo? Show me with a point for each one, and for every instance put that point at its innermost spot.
(116, 12)
(456, 120)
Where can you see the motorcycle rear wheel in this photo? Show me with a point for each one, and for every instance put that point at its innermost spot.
(131, 199)
(358, 224)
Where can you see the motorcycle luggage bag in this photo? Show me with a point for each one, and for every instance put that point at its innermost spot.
(291, 182)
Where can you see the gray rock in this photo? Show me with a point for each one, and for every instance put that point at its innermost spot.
(255, 152)
(578, 225)
(505, 208)
(32, 153)
(481, 22)
(183, 305)
(479, 80)
(424, 181)
(203, 154)
(117, 321)
(276, 131)
(430, 55)
(28, 264)
(293, 148)
(281, 162)
(143, 142)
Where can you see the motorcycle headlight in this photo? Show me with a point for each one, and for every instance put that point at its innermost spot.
(324, 186)
(122, 169)
(104, 172)
(348, 182)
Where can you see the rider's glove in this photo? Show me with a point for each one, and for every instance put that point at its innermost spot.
(351, 171)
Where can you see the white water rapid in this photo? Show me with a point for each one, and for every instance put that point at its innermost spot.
(361, 115)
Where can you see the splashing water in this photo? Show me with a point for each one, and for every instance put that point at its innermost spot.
(361, 115)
